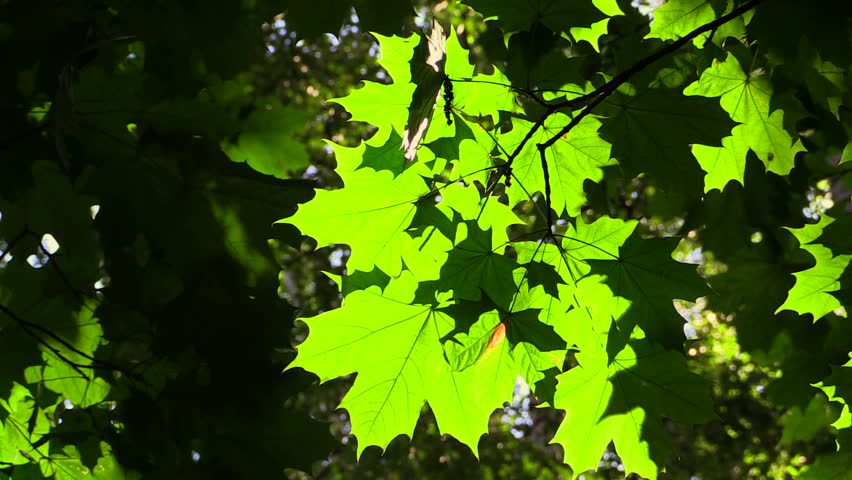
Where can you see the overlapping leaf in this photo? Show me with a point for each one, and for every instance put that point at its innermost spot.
(554, 14)
(676, 18)
(651, 132)
(457, 309)
(621, 401)
(746, 97)
(598, 29)
(266, 141)
(812, 290)
(395, 349)
(574, 158)
(386, 106)
(370, 214)
(645, 280)
(24, 426)
(78, 384)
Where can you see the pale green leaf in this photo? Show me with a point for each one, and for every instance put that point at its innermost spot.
(370, 213)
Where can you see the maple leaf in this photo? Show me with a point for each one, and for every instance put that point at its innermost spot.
(598, 29)
(475, 146)
(24, 425)
(812, 291)
(385, 106)
(644, 281)
(267, 141)
(488, 213)
(652, 130)
(370, 214)
(576, 157)
(599, 240)
(384, 157)
(676, 19)
(747, 99)
(554, 14)
(621, 401)
(838, 388)
(394, 348)
(82, 387)
(473, 267)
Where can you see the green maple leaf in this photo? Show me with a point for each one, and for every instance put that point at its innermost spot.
(464, 349)
(644, 281)
(392, 346)
(747, 99)
(838, 388)
(825, 81)
(544, 275)
(463, 401)
(599, 240)
(488, 213)
(802, 424)
(80, 385)
(721, 164)
(812, 291)
(395, 348)
(65, 465)
(836, 235)
(679, 17)
(523, 339)
(651, 132)
(385, 106)
(835, 466)
(267, 141)
(387, 156)
(576, 157)
(22, 427)
(556, 15)
(450, 148)
(474, 266)
(538, 351)
(533, 294)
(598, 29)
(471, 153)
(621, 401)
(370, 213)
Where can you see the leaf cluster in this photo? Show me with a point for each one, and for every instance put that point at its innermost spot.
(485, 253)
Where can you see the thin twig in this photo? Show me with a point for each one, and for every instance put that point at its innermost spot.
(593, 99)
(97, 364)
(549, 209)
(12, 244)
(25, 326)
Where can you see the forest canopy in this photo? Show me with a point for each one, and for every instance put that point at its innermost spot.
(500, 239)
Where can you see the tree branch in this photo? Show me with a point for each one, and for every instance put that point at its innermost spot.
(12, 244)
(593, 99)
(29, 328)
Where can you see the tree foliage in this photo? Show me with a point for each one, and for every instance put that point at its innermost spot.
(542, 190)
(495, 260)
